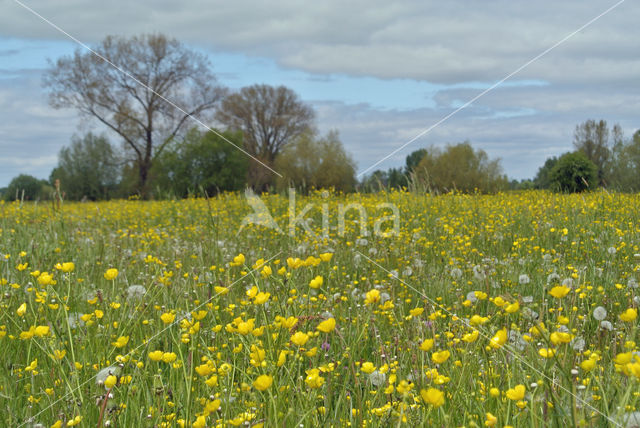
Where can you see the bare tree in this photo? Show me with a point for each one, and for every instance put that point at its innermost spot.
(592, 138)
(269, 117)
(143, 88)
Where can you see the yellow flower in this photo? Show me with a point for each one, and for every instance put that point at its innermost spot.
(416, 312)
(491, 420)
(169, 357)
(45, 278)
(110, 381)
(121, 342)
(282, 358)
(470, 337)
(499, 339)
(547, 352)
(440, 357)
(111, 274)
(22, 309)
(558, 337)
(326, 257)
(155, 355)
(313, 379)
(559, 291)
(478, 320)
(261, 298)
(65, 267)
(629, 315)
(41, 330)
(511, 308)
(432, 396)
(75, 421)
(204, 369)
(373, 296)
(327, 326)
(516, 393)
(300, 338)
(238, 260)
(263, 382)
(368, 367)
(221, 291)
(316, 282)
(426, 345)
(168, 317)
(588, 365)
(57, 424)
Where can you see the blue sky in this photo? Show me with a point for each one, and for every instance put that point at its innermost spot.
(379, 74)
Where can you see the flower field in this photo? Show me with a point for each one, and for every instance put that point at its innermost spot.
(516, 309)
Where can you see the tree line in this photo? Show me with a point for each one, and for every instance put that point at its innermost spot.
(181, 134)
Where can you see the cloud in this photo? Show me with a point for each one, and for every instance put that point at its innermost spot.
(439, 42)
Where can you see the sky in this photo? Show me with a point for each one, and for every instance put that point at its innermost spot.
(380, 73)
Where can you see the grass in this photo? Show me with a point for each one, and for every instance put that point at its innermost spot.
(133, 313)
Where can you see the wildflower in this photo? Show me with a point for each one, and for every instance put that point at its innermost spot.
(491, 420)
(238, 260)
(263, 382)
(478, 320)
(22, 309)
(372, 296)
(111, 274)
(121, 342)
(368, 367)
(629, 315)
(588, 365)
(169, 357)
(599, 313)
(512, 308)
(432, 396)
(499, 339)
(155, 355)
(316, 282)
(313, 379)
(547, 352)
(65, 267)
(426, 345)
(110, 381)
(261, 298)
(559, 291)
(516, 393)
(45, 278)
(168, 317)
(471, 337)
(416, 312)
(377, 378)
(327, 326)
(221, 291)
(440, 357)
(300, 338)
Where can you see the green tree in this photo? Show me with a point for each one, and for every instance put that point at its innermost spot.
(574, 172)
(413, 160)
(27, 187)
(201, 162)
(139, 104)
(89, 168)
(311, 162)
(542, 179)
(624, 171)
(459, 167)
(269, 118)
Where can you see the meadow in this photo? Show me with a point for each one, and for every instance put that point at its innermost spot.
(515, 309)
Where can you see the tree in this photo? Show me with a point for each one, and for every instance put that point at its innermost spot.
(316, 162)
(89, 168)
(459, 167)
(27, 187)
(574, 172)
(269, 118)
(542, 179)
(133, 86)
(624, 167)
(202, 162)
(592, 138)
(413, 160)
